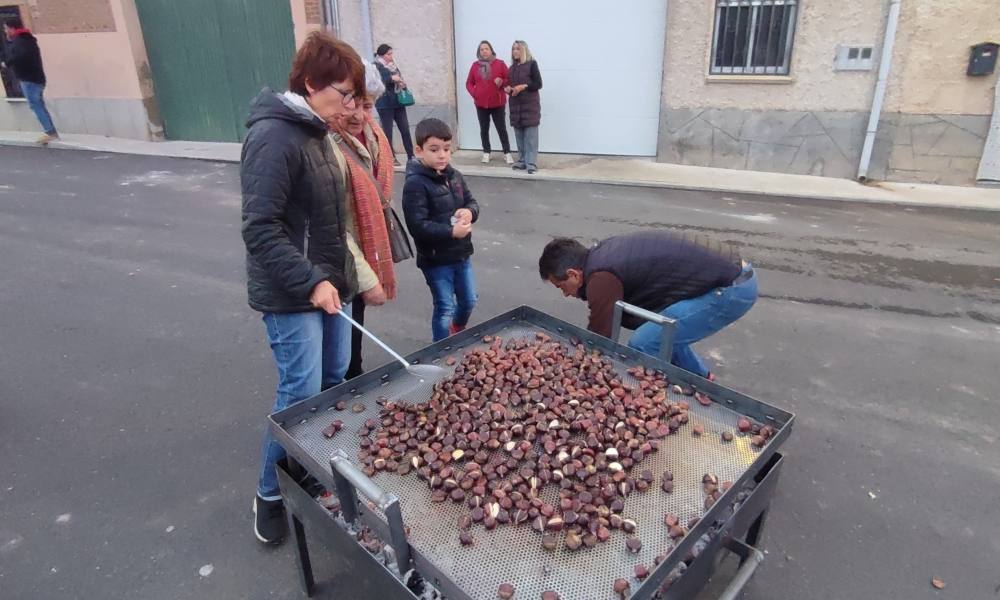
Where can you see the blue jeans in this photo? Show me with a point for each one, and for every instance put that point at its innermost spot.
(312, 351)
(698, 318)
(33, 94)
(527, 147)
(453, 288)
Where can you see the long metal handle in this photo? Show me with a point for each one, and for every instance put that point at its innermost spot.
(667, 325)
(349, 479)
(362, 329)
(751, 558)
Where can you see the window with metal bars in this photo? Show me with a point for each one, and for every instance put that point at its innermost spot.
(753, 37)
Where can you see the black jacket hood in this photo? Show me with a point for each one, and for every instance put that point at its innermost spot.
(269, 104)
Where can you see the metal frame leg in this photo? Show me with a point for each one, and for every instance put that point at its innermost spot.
(753, 533)
(302, 554)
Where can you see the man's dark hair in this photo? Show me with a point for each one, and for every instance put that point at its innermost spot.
(322, 60)
(432, 127)
(560, 255)
(14, 23)
(383, 49)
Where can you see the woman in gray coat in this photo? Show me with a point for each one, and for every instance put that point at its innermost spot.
(524, 81)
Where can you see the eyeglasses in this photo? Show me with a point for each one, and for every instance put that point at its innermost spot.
(350, 100)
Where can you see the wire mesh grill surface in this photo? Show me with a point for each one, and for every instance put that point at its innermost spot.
(514, 554)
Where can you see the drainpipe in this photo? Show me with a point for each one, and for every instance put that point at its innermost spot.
(883, 79)
(331, 16)
(366, 30)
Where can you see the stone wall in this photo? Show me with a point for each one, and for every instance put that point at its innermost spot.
(935, 148)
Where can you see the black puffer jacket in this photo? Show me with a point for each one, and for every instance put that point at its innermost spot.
(293, 208)
(24, 57)
(429, 201)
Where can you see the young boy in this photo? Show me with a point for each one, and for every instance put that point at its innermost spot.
(439, 212)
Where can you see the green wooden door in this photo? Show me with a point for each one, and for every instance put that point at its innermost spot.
(209, 58)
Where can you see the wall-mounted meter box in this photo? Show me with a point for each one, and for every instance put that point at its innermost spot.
(853, 58)
(983, 59)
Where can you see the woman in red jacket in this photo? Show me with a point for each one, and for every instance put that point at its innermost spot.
(486, 81)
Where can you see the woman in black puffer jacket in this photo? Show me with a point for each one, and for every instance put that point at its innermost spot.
(300, 265)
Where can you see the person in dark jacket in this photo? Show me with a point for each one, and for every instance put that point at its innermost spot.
(388, 106)
(25, 59)
(702, 284)
(300, 270)
(439, 210)
(485, 83)
(523, 82)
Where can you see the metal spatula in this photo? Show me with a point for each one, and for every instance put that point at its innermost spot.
(424, 371)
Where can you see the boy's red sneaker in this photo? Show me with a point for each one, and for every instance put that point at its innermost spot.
(453, 329)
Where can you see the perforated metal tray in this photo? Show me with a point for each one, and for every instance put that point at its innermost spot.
(514, 553)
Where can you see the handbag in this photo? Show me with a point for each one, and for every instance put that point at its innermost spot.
(405, 97)
(399, 241)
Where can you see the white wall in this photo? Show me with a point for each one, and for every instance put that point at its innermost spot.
(601, 66)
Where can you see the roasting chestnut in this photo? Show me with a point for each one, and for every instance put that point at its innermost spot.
(641, 572)
(633, 545)
(505, 591)
(621, 587)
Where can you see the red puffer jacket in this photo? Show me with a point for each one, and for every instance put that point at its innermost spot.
(485, 92)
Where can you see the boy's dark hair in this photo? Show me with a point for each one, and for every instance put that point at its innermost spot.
(14, 22)
(560, 255)
(383, 49)
(322, 60)
(432, 127)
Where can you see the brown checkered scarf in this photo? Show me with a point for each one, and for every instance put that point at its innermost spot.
(369, 216)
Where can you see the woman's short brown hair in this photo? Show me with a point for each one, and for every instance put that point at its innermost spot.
(323, 60)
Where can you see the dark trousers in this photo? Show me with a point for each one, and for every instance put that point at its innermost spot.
(499, 115)
(386, 116)
(358, 314)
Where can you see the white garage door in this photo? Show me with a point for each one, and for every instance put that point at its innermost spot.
(601, 65)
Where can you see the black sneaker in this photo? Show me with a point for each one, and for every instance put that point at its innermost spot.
(269, 524)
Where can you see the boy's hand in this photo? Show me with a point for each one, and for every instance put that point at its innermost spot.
(463, 215)
(324, 296)
(375, 296)
(461, 230)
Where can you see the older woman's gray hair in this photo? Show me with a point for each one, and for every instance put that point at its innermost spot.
(373, 81)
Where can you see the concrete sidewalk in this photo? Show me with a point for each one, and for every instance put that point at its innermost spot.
(601, 170)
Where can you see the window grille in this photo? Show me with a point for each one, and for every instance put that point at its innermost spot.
(753, 37)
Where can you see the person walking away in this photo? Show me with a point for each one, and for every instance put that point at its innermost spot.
(366, 155)
(25, 59)
(388, 106)
(300, 269)
(439, 210)
(485, 83)
(702, 284)
(524, 81)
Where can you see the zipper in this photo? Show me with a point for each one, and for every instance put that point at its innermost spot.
(305, 240)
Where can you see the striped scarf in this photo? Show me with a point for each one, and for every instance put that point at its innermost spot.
(368, 209)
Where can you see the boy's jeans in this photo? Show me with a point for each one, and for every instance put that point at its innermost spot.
(453, 288)
(33, 94)
(527, 146)
(312, 351)
(698, 318)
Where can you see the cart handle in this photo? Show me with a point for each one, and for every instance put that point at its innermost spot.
(667, 325)
(750, 559)
(349, 479)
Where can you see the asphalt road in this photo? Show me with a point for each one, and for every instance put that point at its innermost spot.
(134, 379)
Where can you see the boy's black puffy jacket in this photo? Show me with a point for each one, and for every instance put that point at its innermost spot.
(429, 201)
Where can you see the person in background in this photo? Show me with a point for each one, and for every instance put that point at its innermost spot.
(368, 158)
(523, 82)
(485, 83)
(388, 106)
(300, 267)
(25, 59)
(439, 211)
(702, 284)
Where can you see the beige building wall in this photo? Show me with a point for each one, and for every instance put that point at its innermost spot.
(98, 80)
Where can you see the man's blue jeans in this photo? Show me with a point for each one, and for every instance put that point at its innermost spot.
(312, 351)
(453, 289)
(33, 94)
(698, 318)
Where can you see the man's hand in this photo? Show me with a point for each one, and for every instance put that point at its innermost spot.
(325, 297)
(463, 215)
(375, 296)
(461, 230)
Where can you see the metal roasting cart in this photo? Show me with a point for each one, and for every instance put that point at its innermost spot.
(423, 536)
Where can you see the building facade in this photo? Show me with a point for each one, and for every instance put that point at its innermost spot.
(771, 85)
